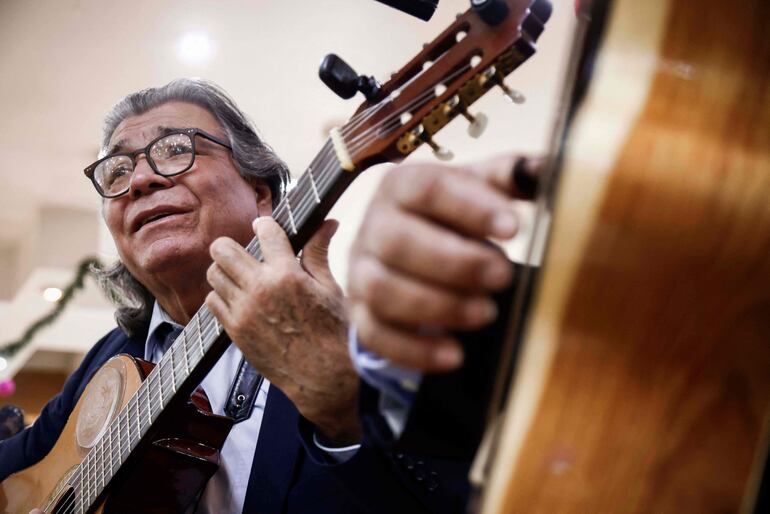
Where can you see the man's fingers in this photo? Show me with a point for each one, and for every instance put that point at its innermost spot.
(432, 253)
(273, 241)
(405, 347)
(218, 308)
(222, 284)
(400, 299)
(233, 260)
(455, 198)
(315, 254)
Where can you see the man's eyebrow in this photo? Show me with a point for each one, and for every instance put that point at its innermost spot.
(160, 130)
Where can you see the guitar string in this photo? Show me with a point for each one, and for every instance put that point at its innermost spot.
(300, 211)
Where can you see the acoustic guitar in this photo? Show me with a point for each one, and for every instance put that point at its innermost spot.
(643, 381)
(124, 434)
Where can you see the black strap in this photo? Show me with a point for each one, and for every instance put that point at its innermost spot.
(243, 392)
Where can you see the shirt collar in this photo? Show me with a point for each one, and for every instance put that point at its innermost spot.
(159, 316)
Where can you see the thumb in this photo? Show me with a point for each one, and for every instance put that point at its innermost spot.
(315, 254)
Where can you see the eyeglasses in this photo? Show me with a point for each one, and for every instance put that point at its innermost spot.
(168, 155)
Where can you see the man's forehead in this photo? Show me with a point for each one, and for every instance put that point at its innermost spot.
(137, 131)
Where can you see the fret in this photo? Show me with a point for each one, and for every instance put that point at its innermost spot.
(138, 419)
(149, 404)
(173, 375)
(120, 450)
(184, 354)
(160, 381)
(100, 468)
(200, 335)
(112, 452)
(291, 215)
(312, 185)
(84, 481)
(91, 478)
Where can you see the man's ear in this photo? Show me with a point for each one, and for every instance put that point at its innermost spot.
(264, 199)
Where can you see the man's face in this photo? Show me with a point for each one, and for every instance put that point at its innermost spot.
(163, 226)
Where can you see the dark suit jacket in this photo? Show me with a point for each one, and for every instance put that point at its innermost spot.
(289, 475)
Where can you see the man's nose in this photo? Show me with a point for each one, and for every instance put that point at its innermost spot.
(144, 180)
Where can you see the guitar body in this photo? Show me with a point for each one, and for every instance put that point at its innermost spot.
(167, 472)
(644, 381)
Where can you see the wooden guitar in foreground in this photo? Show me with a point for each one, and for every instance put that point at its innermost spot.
(123, 428)
(643, 384)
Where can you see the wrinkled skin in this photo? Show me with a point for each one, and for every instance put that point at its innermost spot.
(290, 317)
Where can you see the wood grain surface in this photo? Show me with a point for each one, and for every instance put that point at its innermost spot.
(653, 386)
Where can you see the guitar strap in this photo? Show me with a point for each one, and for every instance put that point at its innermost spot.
(243, 392)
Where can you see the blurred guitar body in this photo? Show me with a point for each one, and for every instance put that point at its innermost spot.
(643, 383)
(166, 473)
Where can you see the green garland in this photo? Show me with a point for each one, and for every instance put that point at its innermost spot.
(86, 266)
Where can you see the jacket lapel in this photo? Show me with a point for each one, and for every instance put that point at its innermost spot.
(134, 345)
(275, 458)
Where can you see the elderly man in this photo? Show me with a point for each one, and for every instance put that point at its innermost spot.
(183, 175)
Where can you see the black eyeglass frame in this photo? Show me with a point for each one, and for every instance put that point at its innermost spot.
(191, 132)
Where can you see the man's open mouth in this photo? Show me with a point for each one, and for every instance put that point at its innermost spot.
(154, 217)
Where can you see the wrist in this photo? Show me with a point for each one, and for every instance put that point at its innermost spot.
(339, 433)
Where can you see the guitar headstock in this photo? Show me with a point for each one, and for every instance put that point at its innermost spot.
(457, 68)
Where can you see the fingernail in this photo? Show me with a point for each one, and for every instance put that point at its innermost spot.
(449, 356)
(333, 229)
(497, 275)
(480, 311)
(216, 247)
(504, 224)
(257, 222)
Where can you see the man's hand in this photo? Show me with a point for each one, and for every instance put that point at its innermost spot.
(289, 319)
(421, 267)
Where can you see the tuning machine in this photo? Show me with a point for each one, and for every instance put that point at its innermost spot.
(513, 95)
(419, 134)
(493, 75)
(477, 122)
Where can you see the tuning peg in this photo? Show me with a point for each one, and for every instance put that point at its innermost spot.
(478, 122)
(514, 96)
(441, 153)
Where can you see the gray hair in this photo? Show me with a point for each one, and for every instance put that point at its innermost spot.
(253, 158)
